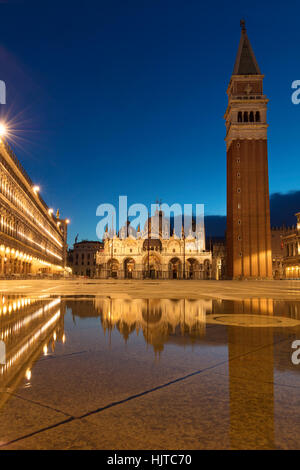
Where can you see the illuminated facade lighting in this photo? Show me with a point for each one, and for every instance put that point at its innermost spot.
(31, 241)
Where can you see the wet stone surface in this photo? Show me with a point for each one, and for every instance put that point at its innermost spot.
(97, 371)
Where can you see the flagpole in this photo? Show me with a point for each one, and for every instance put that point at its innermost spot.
(112, 243)
(148, 248)
(183, 236)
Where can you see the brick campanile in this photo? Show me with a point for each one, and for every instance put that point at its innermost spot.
(248, 241)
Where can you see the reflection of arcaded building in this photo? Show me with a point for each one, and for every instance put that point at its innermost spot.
(28, 327)
(32, 239)
(162, 255)
(254, 306)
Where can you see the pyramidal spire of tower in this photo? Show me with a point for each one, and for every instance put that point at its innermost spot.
(245, 63)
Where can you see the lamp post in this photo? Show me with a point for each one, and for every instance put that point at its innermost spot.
(112, 248)
(111, 256)
(148, 248)
(183, 237)
(3, 130)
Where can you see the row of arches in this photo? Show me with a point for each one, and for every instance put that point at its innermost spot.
(9, 266)
(292, 249)
(250, 116)
(13, 226)
(153, 268)
(16, 194)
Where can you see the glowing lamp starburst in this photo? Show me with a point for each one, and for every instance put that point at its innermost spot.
(2, 130)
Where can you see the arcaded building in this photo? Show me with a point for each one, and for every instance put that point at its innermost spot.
(291, 246)
(249, 252)
(162, 255)
(32, 239)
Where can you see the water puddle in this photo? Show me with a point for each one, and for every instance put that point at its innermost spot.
(76, 354)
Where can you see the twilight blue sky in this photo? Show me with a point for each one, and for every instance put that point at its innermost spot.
(118, 97)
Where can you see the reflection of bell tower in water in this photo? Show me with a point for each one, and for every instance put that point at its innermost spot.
(251, 377)
(248, 207)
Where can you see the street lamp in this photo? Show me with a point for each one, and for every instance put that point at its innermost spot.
(183, 236)
(3, 129)
(148, 247)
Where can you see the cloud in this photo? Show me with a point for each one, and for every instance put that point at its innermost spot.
(215, 225)
(282, 207)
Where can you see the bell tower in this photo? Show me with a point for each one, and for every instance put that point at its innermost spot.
(248, 207)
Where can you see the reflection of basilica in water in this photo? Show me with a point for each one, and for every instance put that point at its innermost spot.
(159, 320)
(32, 327)
(28, 328)
(180, 321)
(250, 381)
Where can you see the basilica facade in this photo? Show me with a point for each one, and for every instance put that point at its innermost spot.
(156, 252)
